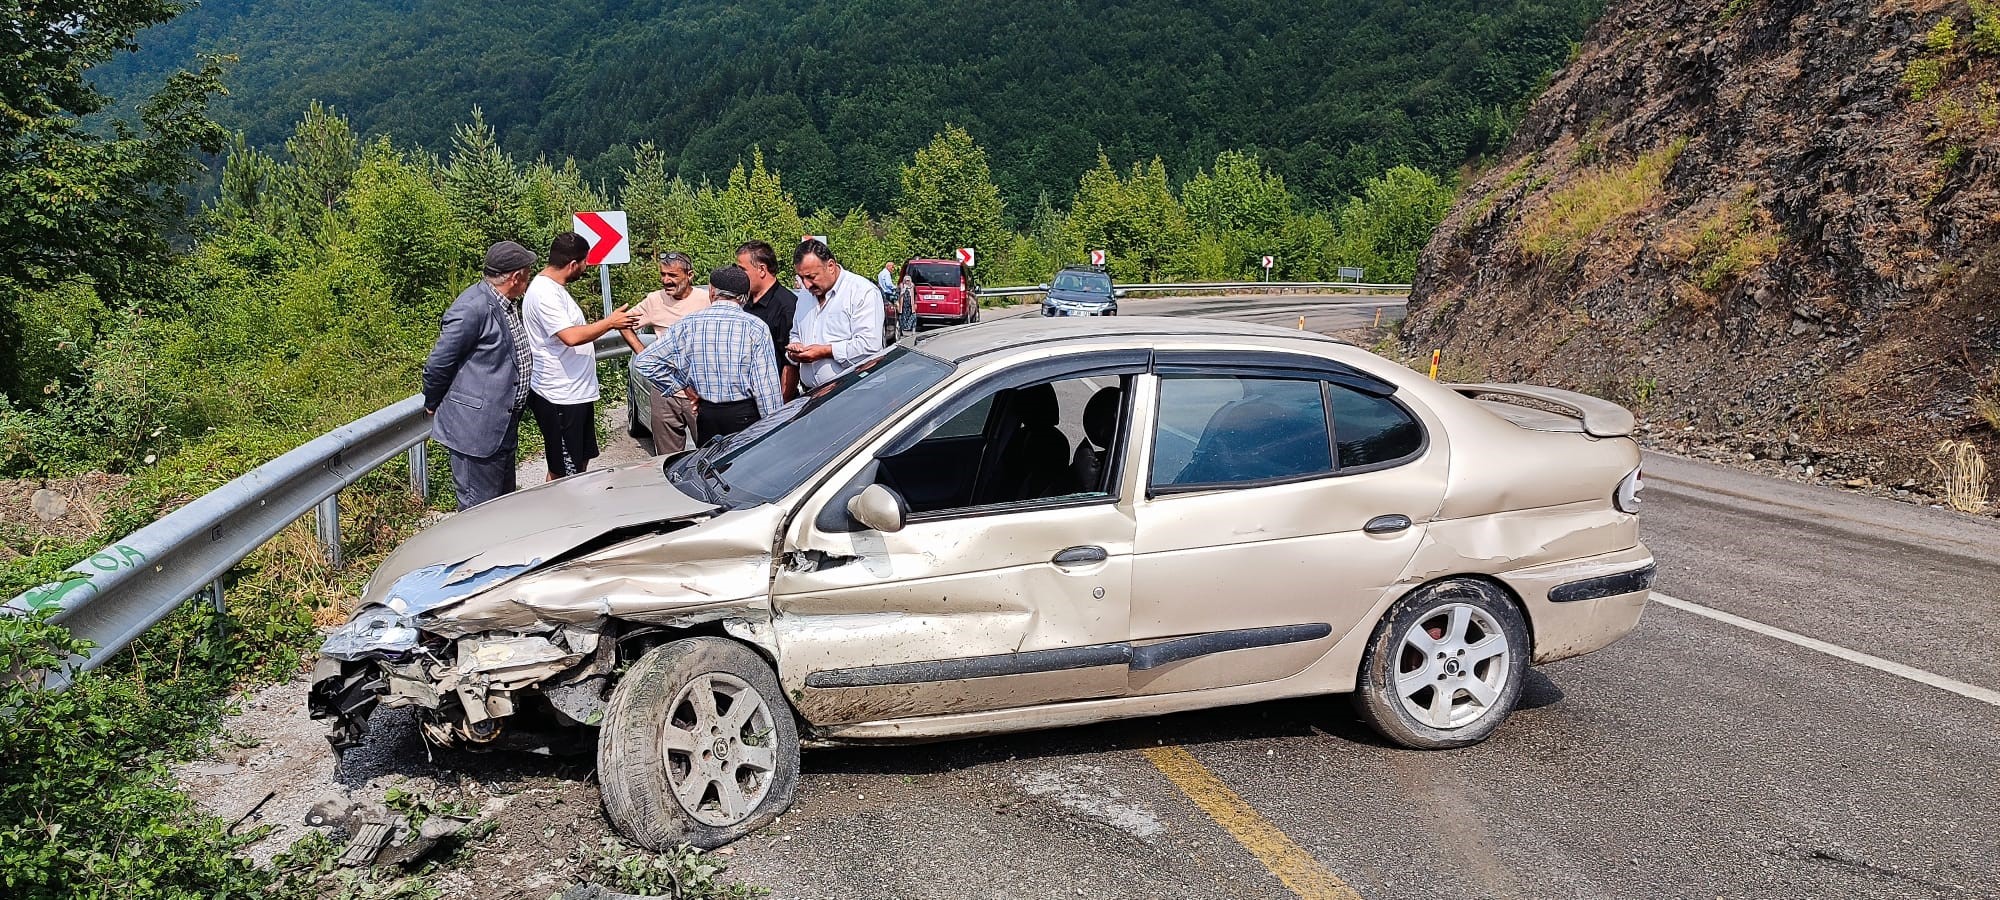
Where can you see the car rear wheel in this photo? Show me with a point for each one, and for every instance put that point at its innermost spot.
(698, 746)
(1444, 667)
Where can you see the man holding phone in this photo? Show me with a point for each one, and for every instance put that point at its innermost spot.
(839, 319)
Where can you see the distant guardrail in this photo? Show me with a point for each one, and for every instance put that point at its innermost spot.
(115, 594)
(1277, 286)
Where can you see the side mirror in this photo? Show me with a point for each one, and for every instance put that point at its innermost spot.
(878, 508)
(1042, 287)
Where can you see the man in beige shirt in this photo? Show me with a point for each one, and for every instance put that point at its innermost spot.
(671, 419)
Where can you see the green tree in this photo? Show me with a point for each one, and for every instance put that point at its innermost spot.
(77, 204)
(482, 185)
(1385, 228)
(1136, 220)
(320, 159)
(948, 198)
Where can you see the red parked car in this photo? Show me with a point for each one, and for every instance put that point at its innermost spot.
(945, 291)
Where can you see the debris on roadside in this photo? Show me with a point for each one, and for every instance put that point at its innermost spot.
(388, 832)
(683, 873)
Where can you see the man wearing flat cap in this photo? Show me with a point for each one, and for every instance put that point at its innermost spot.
(476, 378)
(723, 356)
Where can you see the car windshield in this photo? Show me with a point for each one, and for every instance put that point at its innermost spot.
(934, 274)
(770, 458)
(1087, 282)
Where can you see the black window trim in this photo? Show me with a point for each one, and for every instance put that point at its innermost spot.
(1130, 362)
(1280, 366)
(1333, 434)
(1266, 363)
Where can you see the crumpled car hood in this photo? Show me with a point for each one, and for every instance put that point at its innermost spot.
(481, 546)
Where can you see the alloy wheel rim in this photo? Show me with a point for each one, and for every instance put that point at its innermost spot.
(1452, 667)
(719, 745)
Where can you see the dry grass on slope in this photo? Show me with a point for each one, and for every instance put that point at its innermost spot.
(1556, 230)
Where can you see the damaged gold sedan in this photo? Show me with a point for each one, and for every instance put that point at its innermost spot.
(1024, 524)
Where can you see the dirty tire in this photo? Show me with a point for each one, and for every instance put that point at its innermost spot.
(1444, 667)
(647, 747)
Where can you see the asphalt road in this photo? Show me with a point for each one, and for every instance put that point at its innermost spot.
(1695, 758)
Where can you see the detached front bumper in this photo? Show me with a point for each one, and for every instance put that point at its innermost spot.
(469, 690)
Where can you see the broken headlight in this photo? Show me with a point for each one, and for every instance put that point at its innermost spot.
(375, 630)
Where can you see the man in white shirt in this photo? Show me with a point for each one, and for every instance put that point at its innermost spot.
(563, 390)
(839, 320)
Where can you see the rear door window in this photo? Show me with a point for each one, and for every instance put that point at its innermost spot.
(935, 274)
(1371, 430)
(1218, 430)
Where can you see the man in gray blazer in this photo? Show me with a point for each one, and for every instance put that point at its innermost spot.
(476, 379)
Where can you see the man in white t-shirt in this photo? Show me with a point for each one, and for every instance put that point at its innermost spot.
(563, 392)
(839, 320)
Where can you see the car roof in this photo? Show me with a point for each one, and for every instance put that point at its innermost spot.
(964, 342)
(921, 259)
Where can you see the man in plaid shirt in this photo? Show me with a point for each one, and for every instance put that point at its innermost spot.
(720, 357)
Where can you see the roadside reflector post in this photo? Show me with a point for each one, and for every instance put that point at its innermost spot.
(420, 471)
(1378, 317)
(1434, 363)
(1302, 323)
(326, 520)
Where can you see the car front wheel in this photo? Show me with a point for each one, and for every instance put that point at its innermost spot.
(1444, 667)
(698, 746)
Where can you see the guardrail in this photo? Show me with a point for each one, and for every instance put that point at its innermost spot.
(113, 596)
(1279, 286)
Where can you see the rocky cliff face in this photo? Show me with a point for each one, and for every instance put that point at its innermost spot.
(1770, 224)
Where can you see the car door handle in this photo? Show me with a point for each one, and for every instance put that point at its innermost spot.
(1389, 524)
(1077, 556)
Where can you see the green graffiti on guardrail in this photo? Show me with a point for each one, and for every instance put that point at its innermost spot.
(106, 561)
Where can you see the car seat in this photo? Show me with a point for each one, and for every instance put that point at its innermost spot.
(1100, 424)
(1033, 454)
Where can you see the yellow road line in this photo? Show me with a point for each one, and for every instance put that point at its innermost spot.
(1287, 860)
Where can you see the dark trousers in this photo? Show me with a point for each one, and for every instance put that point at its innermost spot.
(714, 420)
(482, 478)
(569, 433)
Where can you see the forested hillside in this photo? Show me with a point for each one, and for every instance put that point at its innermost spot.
(1326, 94)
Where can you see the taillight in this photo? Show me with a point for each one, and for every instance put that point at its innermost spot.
(1627, 496)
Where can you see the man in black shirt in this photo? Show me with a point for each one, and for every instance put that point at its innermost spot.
(773, 303)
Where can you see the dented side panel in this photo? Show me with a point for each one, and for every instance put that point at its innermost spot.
(948, 589)
(952, 589)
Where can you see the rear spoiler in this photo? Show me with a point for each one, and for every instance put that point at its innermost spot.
(1601, 418)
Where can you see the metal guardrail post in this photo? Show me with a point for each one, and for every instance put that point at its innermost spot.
(420, 471)
(326, 518)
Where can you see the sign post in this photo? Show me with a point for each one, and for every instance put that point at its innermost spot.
(610, 244)
(967, 256)
(1268, 261)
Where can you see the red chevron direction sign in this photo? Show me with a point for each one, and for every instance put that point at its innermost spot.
(607, 235)
(1097, 257)
(966, 255)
